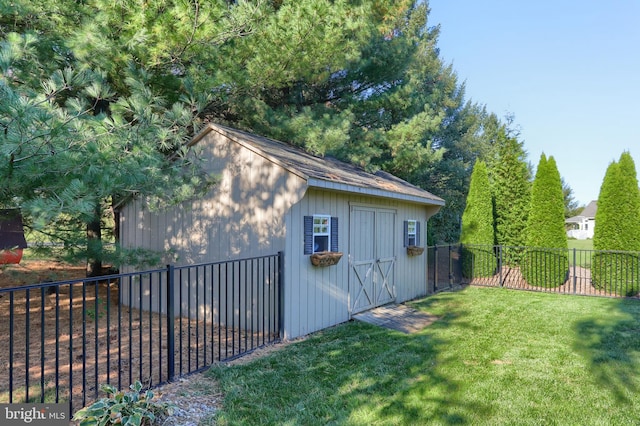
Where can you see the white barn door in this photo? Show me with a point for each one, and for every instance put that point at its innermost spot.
(371, 257)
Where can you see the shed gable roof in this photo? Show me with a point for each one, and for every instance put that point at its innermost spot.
(326, 172)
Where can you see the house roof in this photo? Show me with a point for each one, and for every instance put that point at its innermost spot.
(589, 212)
(326, 172)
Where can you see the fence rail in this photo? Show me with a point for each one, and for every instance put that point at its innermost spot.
(566, 271)
(64, 339)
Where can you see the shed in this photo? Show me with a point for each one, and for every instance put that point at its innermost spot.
(12, 239)
(274, 197)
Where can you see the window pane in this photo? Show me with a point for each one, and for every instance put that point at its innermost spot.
(320, 243)
(321, 233)
(321, 225)
(412, 227)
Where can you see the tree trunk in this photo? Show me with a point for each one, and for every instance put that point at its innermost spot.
(94, 244)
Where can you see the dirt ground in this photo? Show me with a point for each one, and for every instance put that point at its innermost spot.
(43, 334)
(37, 271)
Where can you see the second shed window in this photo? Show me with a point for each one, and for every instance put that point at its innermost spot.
(411, 233)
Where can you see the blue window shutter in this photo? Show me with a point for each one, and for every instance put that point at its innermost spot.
(406, 233)
(334, 234)
(308, 235)
(418, 233)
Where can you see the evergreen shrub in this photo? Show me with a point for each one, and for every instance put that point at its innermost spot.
(617, 230)
(478, 261)
(545, 267)
(510, 177)
(477, 237)
(546, 262)
(616, 272)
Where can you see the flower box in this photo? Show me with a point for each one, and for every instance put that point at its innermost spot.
(325, 258)
(414, 250)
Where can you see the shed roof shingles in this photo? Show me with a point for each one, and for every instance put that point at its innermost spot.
(326, 172)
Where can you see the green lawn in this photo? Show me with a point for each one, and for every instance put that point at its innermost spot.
(583, 252)
(581, 244)
(495, 356)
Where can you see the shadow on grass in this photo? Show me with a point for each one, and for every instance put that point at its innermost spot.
(426, 395)
(354, 373)
(612, 348)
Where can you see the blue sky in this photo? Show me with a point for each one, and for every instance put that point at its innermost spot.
(568, 70)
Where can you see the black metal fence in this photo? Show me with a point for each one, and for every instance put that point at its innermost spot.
(444, 267)
(62, 340)
(572, 271)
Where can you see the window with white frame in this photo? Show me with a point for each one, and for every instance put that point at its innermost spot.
(320, 233)
(411, 233)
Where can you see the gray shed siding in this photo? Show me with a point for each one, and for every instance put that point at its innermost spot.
(257, 209)
(315, 297)
(242, 216)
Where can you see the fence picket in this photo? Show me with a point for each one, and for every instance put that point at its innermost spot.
(63, 352)
(617, 272)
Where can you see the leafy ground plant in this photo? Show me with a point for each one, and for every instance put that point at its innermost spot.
(495, 356)
(134, 408)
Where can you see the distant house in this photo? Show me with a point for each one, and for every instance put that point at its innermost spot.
(273, 197)
(581, 226)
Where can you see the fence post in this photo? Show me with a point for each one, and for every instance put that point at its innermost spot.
(500, 264)
(426, 266)
(430, 285)
(171, 342)
(435, 268)
(281, 294)
(450, 268)
(575, 278)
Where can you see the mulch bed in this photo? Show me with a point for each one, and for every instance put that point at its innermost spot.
(576, 283)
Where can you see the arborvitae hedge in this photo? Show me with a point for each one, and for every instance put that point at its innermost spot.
(546, 261)
(477, 236)
(618, 228)
(510, 178)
